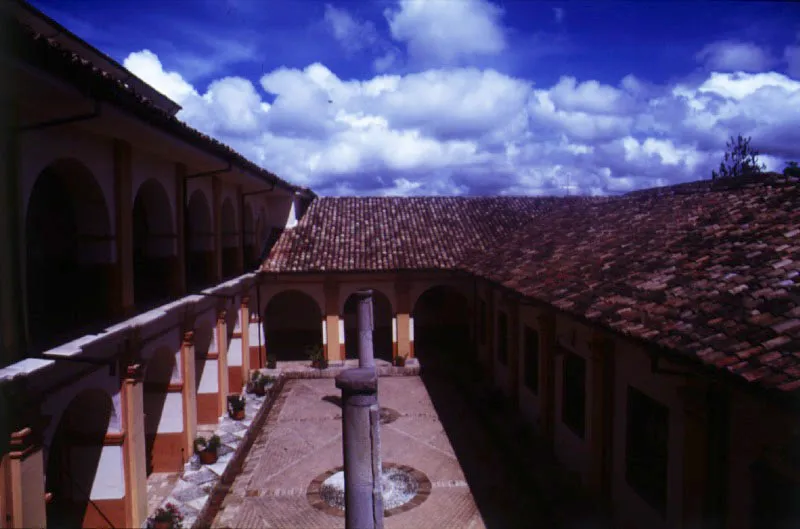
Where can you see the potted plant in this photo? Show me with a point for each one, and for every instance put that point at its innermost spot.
(236, 407)
(207, 449)
(167, 517)
(259, 382)
(272, 361)
(399, 360)
(317, 357)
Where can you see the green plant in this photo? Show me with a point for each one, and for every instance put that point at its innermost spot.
(214, 442)
(200, 444)
(317, 356)
(168, 517)
(272, 361)
(399, 360)
(236, 403)
(740, 159)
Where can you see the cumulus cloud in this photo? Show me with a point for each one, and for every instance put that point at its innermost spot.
(733, 56)
(438, 32)
(470, 131)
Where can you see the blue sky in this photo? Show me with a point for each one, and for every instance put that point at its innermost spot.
(467, 96)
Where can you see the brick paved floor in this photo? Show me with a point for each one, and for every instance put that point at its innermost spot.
(302, 439)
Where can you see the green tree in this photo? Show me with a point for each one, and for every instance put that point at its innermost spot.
(740, 159)
(792, 169)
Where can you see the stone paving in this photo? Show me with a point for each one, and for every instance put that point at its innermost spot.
(302, 439)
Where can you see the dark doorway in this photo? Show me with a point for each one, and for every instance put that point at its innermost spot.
(441, 324)
(292, 324)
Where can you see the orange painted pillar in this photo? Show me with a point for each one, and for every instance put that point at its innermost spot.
(222, 361)
(188, 392)
(22, 472)
(134, 446)
(404, 342)
(333, 325)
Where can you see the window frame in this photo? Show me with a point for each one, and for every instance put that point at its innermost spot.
(573, 393)
(647, 465)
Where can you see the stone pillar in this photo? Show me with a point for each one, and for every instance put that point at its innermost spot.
(403, 323)
(134, 446)
(179, 275)
(240, 235)
(547, 334)
(601, 416)
(22, 471)
(335, 345)
(189, 392)
(12, 259)
(122, 302)
(216, 198)
(366, 353)
(222, 361)
(363, 493)
(244, 329)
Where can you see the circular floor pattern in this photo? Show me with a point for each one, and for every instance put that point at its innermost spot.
(404, 487)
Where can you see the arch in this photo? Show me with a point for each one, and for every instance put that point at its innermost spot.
(382, 326)
(70, 250)
(441, 323)
(157, 378)
(292, 323)
(154, 251)
(199, 243)
(249, 227)
(73, 457)
(230, 242)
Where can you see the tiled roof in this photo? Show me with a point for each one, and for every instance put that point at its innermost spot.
(396, 233)
(45, 53)
(708, 272)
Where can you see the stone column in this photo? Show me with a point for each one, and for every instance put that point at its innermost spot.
(366, 353)
(179, 275)
(363, 495)
(403, 324)
(122, 302)
(216, 207)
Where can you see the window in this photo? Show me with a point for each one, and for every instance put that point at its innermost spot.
(647, 448)
(532, 360)
(573, 394)
(483, 324)
(502, 338)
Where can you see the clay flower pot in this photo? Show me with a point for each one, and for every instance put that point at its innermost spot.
(237, 415)
(208, 457)
(162, 525)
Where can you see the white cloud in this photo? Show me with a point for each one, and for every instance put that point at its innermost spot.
(466, 130)
(733, 56)
(353, 35)
(444, 32)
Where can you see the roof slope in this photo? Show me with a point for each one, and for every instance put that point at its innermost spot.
(36, 49)
(711, 273)
(398, 233)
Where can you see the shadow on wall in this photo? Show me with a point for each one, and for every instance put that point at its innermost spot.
(73, 459)
(156, 385)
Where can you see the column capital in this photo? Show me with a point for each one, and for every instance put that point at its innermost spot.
(134, 372)
(222, 315)
(188, 338)
(245, 303)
